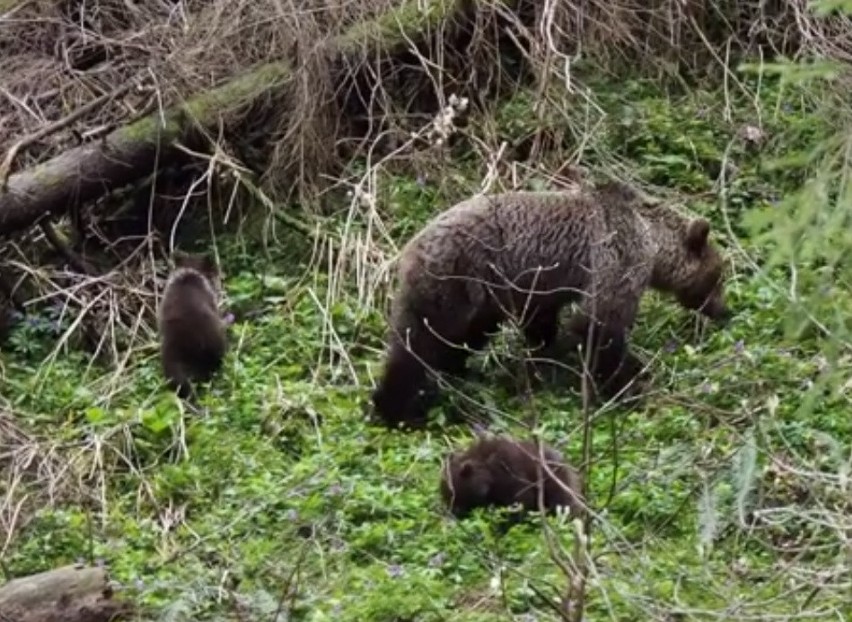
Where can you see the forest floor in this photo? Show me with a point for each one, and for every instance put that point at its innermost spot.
(719, 497)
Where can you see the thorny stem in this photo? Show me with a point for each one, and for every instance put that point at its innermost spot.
(575, 600)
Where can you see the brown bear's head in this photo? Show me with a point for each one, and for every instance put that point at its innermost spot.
(465, 484)
(691, 268)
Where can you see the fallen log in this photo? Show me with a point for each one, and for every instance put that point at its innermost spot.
(89, 171)
(70, 594)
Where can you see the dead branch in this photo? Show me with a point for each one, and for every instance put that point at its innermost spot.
(47, 130)
(89, 171)
(61, 245)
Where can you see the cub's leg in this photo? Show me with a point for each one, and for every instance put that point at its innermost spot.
(177, 378)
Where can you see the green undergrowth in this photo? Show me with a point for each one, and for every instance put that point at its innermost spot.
(280, 498)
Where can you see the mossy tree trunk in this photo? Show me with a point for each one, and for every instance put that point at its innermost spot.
(87, 172)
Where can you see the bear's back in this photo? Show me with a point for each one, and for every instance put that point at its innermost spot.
(505, 246)
(189, 320)
(189, 296)
(506, 218)
(524, 207)
(515, 465)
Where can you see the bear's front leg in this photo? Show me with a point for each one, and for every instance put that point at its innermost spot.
(612, 366)
(541, 326)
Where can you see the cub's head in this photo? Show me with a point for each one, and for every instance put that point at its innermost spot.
(692, 269)
(202, 263)
(465, 484)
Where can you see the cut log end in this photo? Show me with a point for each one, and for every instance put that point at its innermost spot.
(67, 594)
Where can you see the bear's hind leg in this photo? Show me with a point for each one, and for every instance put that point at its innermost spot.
(395, 399)
(177, 378)
(406, 391)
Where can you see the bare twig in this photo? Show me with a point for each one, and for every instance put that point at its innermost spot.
(47, 130)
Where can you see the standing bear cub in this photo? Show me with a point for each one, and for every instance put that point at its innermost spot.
(500, 472)
(192, 333)
(524, 255)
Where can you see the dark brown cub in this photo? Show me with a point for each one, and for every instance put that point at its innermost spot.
(192, 333)
(500, 472)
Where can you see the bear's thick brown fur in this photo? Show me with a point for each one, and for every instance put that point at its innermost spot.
(524, 255)
(500, 472)
(192, 334)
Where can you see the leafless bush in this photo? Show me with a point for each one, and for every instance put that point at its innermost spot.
(36, 473)
(126, 60)
(389, 107)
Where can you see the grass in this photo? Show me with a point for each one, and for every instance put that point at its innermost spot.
(721, 497)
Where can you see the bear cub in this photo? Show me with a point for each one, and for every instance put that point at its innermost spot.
(525, 255)
(192, 333)
(500, 472)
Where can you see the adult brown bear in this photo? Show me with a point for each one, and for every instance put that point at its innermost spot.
(524, 255)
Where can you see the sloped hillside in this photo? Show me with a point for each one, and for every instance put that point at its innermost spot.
(722, 494)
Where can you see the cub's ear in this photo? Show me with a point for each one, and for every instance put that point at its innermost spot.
(208, 263)
(696, 234)
(180, 258)
(480, 432)
(466, 469)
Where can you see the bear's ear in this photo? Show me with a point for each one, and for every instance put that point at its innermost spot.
(696, 234)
